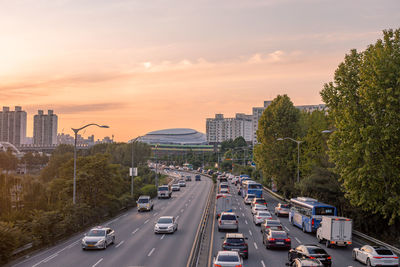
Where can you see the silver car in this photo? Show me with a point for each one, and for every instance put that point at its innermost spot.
(228, 259)
(261, 216)
(166, 224)
(98, 238)
(228, 221)
(258, 207)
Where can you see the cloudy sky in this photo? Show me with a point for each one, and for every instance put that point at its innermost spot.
(144, 65)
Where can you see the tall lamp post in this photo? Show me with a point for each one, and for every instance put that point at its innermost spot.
(133, 143)
(298, 154)
(156, 166)
(76, 137)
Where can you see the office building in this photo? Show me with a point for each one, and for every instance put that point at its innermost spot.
(13, 126)
(45, 128)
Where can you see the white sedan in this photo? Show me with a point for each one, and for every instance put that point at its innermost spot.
(258, 207)
(261, 216)
(375, 256)
(228, 259)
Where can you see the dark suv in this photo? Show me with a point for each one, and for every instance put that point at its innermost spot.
(312, 252)
(236, 242)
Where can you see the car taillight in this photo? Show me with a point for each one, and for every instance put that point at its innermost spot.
(312, 222)
(329, 258)
(287, 240)
(217, 265)
(311, 257)
(237, 222)
(378, 257)
(238, 265)
(224, 244)
(271, 239)
(395, 257)
(258, 217)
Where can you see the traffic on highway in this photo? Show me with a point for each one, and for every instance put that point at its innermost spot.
(160, 233)
(272, 236)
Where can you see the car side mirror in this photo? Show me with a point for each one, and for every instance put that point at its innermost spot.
(237, 216)
(222, 237)
(287, 264)
(246, 238)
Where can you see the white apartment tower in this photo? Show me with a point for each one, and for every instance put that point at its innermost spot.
(257, 112)
(45, 128)
(221, 129)
(13, 126)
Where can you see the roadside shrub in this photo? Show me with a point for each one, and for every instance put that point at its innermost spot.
(9, 240)
(149, 190)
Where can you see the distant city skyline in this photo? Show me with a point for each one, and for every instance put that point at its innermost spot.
(139, 66)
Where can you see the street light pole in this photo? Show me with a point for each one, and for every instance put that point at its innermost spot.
(76, 137)
(133, 143)
(156, 167)
(298, 154)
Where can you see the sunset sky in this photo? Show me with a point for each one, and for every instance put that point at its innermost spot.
(144, 65)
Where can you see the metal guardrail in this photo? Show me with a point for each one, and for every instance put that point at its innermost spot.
(356, 233)
(23, 248)
(195, 251)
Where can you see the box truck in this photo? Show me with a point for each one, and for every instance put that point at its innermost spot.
(335, 231)
(223, 204)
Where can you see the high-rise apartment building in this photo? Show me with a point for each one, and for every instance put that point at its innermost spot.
(13, 126)
(220, 129)
(45, 128)
(257, 112)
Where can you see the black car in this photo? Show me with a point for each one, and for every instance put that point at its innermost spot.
(236, 242)
(276, 239)
(312, 252)
(197, 177)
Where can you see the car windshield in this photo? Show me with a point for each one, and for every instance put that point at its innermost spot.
(228, 258)
(228, 217)
(224, 186)
(260, 207)
(315, 250)
(175, 185)
(164, 188)
(165, 220)
(273, 223)
(250, 196)
(383, 252)
(264, 214)
(235, 240)
(96, 232)
(143, 200)
(328, 211)
(284, 206)
(254, 186)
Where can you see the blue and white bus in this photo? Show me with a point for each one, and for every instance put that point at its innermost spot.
(306, 213)
(241, 183)
(251, 187)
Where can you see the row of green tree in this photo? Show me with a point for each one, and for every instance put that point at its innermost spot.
(39, 209)
(355, 165)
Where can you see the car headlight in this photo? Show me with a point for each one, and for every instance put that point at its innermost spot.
(170, 227)
(83, 242)
(156, 226)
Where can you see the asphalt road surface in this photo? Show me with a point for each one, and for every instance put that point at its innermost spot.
(258, 254)
(136, 244)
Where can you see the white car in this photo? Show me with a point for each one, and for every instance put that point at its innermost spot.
(228, 259)
(249, 198)
(166, 224)
(98, 238)
(375, 256)
(261, 216)
(258, 207)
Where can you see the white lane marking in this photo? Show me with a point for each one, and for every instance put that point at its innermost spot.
(146, 221)
(255, 245)
(124, 215)
(73, 244)
(119, 244)
(134, 232)
(250, 232)
(246, 221)
(162, 237)
(155, 214)
(240, 208)
(182, 210)
(287, 229)
(177, 217)
(97, 262)
(242, 214)
(50, 257)
(186, 204)
(297, 240)
(262, 263)
(151, 252)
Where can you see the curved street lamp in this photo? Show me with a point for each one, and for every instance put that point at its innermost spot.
(76, 136)
(133, 142)
(298, 153)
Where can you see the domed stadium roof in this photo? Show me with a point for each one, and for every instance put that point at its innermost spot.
(181, 136)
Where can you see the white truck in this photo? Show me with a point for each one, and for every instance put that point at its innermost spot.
(335, 231)
(223, 204)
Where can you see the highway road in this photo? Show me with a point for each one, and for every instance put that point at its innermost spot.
(136, 244)
(258, 254)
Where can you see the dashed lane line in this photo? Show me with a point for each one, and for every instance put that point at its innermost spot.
(49, 258)
(297, 240)
(246, 221)
(151, 252)
(250, 232)
(262, 263)
(119, 244)
(146, 221)
(94, 265)
(162, 237)
(287, 229)
(255, 245)
(134, 232)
